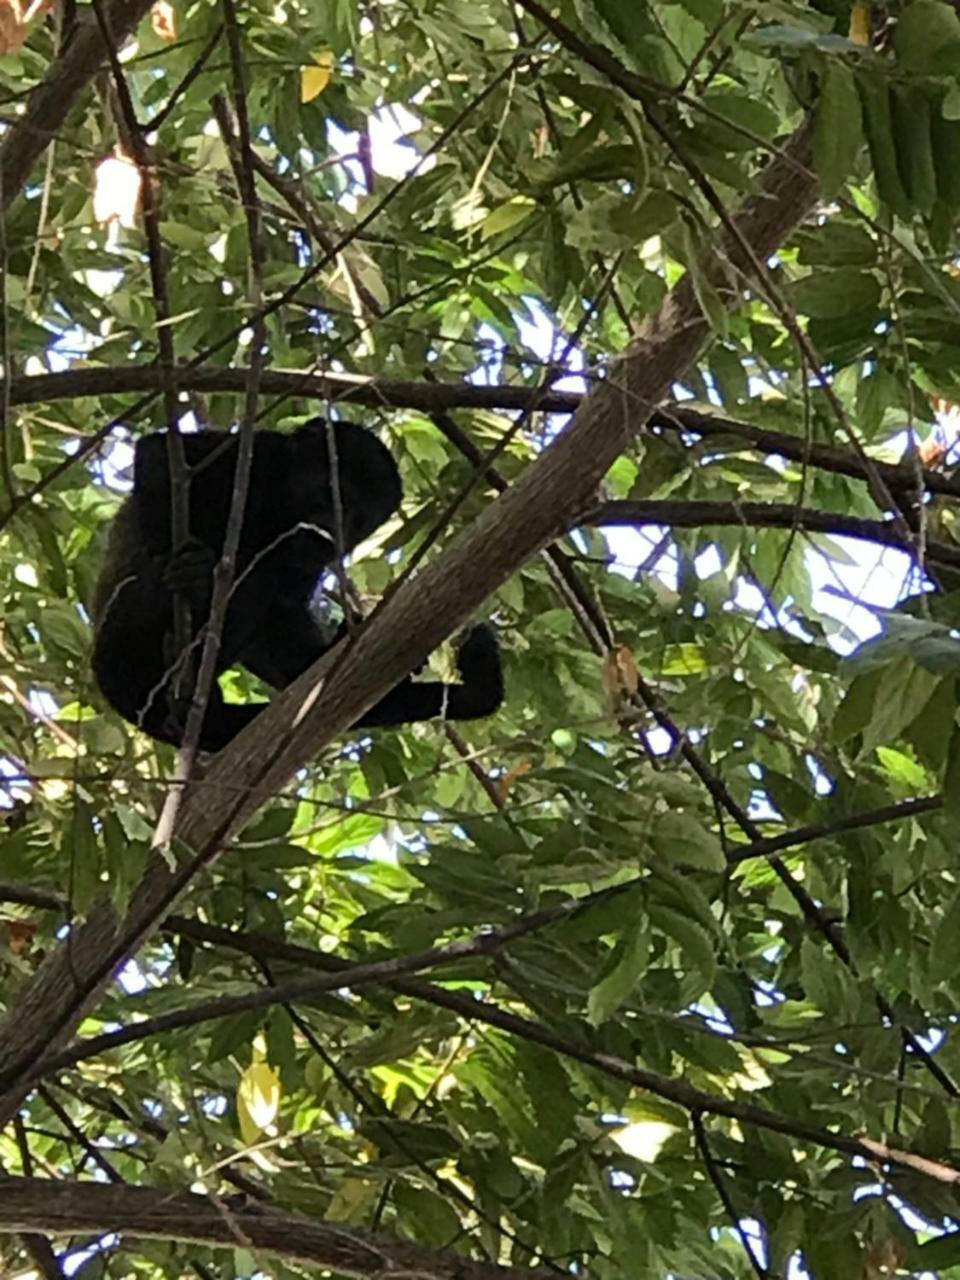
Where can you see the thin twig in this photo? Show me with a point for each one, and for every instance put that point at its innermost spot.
(77, 1134)
(716, 1177)
(152, 125)
(225, 571)
(176, 462)
(353, 976)
(761, 515)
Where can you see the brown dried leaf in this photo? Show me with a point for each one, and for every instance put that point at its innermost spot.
(932, 453)
(506, 784)
(20, 934)
(163, 19)
(13, 30)
(620, 675)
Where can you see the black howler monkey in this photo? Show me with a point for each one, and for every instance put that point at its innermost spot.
(273, 625)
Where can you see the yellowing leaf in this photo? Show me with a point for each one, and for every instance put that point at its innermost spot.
(258, 1099)
(507, 216)
(685, 659)
(313, 80)
(20, 935)
(754, 1075)
(353, 1197)
(13, 30)
(860, 22)
(932, 453)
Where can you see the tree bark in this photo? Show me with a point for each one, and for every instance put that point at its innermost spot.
(66, 1208)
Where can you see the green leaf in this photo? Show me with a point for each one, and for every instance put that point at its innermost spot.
(902, 769)
(838, 134)
(182, 236)
(836, 244)
(875, 394)
(904, 691)
(945, 141)
(696, 945)
(82, 855)
(435, 1219)
(707, 12)
(951, 778)
(827, 294)
(617, 222)
(507, 216)
(786, 1236)
(711, 304)
(913, 138)
(922, 31)
(944, 957)
(598, 164)
(792, 39)
(234, 1035)
(620, 973)
(349, 833)
(856, 710)
(64, 627)
(826, 980)
(937, 1254)
(750, 118)
(682, 838)
(875, 96)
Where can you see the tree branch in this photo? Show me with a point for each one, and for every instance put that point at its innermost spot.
(65, 1208)
(765, 515)
(677, 1091)
(716, 1177)
(431, 396)
(342, 974)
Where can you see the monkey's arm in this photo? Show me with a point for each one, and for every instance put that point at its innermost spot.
(134, 661)
(479, 694)
(132, 613)
(292, 641)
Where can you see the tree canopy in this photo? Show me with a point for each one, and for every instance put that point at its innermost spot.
(657, 305)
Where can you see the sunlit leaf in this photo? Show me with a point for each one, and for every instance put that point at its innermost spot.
(258, 1099)
(314, 79)
(116, 194)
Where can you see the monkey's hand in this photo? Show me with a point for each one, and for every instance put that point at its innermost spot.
(478, 658)
(189, 573)
(478, 661)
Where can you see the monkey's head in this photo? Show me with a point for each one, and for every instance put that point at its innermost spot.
(369, 482)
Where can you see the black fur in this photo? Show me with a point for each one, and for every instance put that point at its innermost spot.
(287, 542)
